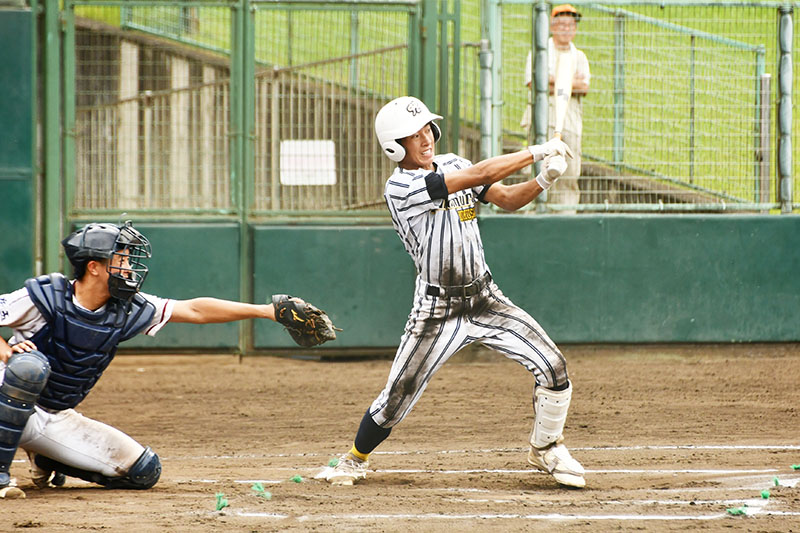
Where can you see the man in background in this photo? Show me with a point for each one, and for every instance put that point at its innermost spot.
(563, 27)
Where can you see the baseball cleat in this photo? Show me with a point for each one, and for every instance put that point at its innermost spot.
(346, 472)
(44, 478)
(556, 461)
(10, 491)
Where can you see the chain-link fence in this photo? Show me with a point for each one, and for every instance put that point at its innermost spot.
(680, 112)
(213, 108)
(321, 75)
(152, 114)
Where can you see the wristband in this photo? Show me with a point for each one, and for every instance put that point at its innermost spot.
(543, 182)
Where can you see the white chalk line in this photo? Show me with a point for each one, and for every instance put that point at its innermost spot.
(658, 471)
(638, 471)
(504, 516)
(772, 447)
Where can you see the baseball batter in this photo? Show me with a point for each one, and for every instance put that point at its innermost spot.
(65, 334)
(432, 200)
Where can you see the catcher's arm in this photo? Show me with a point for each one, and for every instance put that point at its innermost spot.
(213, 310)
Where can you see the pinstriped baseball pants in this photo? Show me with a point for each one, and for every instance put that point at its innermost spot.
(438, 327)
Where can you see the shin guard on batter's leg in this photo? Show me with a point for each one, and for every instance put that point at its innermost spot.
(547, 452)
(24, 379)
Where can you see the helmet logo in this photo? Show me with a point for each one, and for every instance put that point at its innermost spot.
(414, 109)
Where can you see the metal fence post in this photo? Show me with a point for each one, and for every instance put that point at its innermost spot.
(428, 58)
(414, 52)
(762, 101)
(486, 99)
(763, 146)
(491, 31)
(54, 210)
(540, 74)
(540, 80)
(618, 141)
(784, 112)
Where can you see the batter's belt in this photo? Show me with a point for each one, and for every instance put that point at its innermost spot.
(460, 291)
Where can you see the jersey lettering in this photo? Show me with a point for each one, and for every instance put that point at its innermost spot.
(465, 215)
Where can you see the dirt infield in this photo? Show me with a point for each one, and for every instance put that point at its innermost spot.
(671, 437)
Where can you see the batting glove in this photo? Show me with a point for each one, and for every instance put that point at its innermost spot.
(552, 168)
(553, 146)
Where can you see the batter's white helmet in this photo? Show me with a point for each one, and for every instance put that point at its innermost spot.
(400, 118)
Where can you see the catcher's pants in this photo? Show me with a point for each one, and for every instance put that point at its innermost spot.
(438, 327)
(75, 440)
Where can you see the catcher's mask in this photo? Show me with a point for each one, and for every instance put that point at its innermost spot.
(124, 247)
(400, 118)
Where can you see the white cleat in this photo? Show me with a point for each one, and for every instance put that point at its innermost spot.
(346, 472)
(556, 461)
(11, 491)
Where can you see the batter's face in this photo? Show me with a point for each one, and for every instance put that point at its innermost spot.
(563, 28)
(419, 149)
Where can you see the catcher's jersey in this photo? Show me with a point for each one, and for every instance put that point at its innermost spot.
(18, 312)
(440, 233)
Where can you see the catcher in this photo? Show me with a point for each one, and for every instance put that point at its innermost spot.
(65, 334)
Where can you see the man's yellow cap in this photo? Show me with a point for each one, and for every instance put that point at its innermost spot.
(566, 9)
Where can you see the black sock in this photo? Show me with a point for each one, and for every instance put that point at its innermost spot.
(370, 434)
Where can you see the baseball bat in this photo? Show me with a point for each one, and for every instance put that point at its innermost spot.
(562, 87)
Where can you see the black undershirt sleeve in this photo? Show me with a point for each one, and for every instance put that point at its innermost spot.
(482, 195)
(437, 190)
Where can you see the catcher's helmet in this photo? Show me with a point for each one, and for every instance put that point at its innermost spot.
(400, 118)
(104, 241)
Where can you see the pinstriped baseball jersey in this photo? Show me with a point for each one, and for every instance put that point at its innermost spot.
(440, 234)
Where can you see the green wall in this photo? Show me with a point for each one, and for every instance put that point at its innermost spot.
(191, 260)
(588, 278)
(651, 278)
(360, 275)
(16, 149)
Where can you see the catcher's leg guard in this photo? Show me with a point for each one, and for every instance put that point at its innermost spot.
(144, 473)
(25, 377)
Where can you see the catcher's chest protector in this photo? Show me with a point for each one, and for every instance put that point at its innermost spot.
(79, 344)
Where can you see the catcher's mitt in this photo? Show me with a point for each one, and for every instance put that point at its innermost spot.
(307, 325)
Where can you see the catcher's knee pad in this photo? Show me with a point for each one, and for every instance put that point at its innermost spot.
(551, 414)
(25, 377)
(144, 473)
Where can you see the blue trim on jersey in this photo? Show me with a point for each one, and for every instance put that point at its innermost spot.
(407, 196)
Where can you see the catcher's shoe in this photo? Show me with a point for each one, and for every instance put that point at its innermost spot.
(347, 471)
(9, 489)
(43, 478)
(556, 461)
